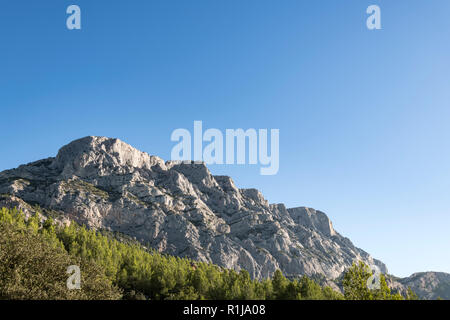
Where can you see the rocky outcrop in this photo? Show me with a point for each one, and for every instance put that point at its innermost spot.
(429, 285)
(179, 209)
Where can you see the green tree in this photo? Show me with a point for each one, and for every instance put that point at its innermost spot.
(355, 285)
(279, 284)
(31, 268)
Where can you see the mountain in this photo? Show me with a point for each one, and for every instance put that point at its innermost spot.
(180, 209)
(429, 285)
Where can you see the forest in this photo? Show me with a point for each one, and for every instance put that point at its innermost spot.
(35, 254)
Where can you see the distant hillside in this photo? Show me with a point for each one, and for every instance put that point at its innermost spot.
(429, 285)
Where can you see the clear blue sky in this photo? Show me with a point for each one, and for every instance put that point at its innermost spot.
(363, 115)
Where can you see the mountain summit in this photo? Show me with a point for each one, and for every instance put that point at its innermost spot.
(179, 209)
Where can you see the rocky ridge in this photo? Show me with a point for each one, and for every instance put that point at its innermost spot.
(179, 209)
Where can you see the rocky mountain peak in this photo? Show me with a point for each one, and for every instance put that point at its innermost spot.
(98, 155)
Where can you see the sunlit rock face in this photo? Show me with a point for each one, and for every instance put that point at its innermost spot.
(179, 209)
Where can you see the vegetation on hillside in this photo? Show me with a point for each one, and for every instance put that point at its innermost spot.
(34, 257)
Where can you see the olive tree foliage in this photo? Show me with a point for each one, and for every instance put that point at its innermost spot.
(34, 268)
(356, 288)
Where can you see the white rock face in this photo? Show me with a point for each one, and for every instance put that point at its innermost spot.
(179, 209)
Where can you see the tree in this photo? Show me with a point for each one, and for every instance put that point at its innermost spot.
(355, 285)
(310, 290)
(31, 268)
(279, 284)
(411, 295)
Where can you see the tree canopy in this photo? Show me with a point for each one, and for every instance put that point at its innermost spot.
(35, 254)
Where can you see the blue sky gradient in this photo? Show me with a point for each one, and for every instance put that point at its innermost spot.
(363, 115)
